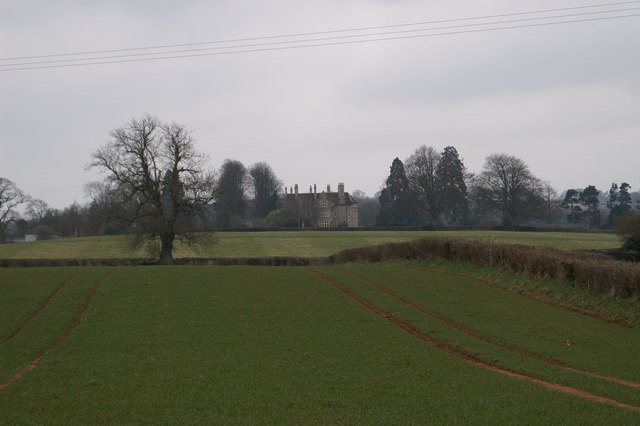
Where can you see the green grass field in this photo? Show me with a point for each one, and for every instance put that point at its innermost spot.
(406, 343)
(292, 243)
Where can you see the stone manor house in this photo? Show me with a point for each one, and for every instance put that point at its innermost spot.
(322, 210)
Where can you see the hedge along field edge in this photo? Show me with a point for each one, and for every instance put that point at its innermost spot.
(594, 272)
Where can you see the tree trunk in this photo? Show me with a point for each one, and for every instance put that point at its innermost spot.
(166, 248)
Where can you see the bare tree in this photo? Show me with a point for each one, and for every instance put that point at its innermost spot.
(102, 209)
(421, 169)
(10, 198)
(368, 207)
(159, 180)
(549, 194)
(231, 192)
(37, 210)
(265, 185)
(507, 185)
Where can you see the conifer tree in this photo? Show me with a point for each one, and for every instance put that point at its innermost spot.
(397, 203)
(571, 202)
(619, 202)
(450, 178)
(589, 198)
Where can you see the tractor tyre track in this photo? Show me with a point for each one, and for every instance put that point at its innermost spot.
(473, 333)
(534, 296)
(468, 358)
(35, 313)
(74, 323)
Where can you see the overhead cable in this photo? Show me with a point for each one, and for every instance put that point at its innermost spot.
(296, 42)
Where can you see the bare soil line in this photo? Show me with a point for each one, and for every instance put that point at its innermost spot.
(74, 323)
(473, 333)
(468, 358)
(534, 296)
(39, 309)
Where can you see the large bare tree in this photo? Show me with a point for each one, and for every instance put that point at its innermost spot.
(265, 185)
(231, 192)
(159, 179)
(507, 186)
(421, 169)
(10, 198)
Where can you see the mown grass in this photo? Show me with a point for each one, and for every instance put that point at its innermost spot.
(293, 243)
(254, 345)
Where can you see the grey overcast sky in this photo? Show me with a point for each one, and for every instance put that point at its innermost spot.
(564, 98)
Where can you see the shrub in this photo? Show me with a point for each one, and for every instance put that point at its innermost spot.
(629, 228)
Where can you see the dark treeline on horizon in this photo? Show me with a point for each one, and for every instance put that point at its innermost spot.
(429, 188)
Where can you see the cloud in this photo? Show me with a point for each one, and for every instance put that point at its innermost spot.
(327, 114)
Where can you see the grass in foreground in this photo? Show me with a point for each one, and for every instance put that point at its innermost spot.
(293, 243)
(246, 345)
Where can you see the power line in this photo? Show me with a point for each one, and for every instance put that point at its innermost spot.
(318, 42)
(601, 5)
(315, 40)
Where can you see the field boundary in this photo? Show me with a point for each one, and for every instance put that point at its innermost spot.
(466, 357)
(182, 261)
(594, 272)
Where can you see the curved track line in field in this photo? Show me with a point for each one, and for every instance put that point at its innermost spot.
(468, 358)
(74, 323)
(533, 296)
(479, 336)
(36, 312)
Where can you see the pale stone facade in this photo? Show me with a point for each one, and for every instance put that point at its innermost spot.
(325, 209)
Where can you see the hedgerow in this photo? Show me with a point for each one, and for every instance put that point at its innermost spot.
(594, 272)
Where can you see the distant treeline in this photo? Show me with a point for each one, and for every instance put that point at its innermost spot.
(429, 190)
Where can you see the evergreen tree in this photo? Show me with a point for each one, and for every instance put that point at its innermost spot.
(452, 187)
(572, 203)
(589, 198)
(397, 203)
(619, 202)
